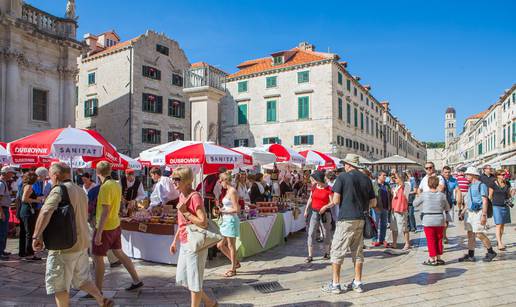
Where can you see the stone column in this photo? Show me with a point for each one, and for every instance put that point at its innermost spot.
(204, 103)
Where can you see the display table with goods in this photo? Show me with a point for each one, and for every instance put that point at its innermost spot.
(148, 237)
(294, 219)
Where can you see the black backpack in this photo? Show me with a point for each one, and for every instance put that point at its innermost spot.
(61, 232)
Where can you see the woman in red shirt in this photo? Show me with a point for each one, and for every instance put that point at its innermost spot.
(318, 205)
(190, 265)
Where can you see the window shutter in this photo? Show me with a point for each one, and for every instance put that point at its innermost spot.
(86, 108)
(297, 140)
(159, 104)
(278, 141)
(311, 139)
(265, 141)
(235, 143)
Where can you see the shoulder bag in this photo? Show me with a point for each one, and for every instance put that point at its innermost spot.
(370, 230)
(201, 238)
(61, 232)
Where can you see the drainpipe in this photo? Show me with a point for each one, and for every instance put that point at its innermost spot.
(130, 143)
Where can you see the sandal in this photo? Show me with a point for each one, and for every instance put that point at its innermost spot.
(309, 259)
(230, 273)
(108, 302)
(326, 256)
(440, 262)
(238, 265)
(502, 248)
(430, 263)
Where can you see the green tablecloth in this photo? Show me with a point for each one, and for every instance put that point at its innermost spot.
(248, 245)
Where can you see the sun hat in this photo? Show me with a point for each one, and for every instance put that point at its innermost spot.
(472, 171)
(7, 169)
(353, 160)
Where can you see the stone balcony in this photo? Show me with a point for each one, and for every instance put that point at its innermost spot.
(202, 75)
(45, 22)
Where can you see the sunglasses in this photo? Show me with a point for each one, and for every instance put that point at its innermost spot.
(430, 167)
(176, 179)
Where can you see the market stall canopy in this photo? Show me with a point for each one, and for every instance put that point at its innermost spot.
(260, 157)
(5, 157)
(189, 153)
(284, 154)
(395, 160)
(320, 160)
(63, 143)
(124, 163)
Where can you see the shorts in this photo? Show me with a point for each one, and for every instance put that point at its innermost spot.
(472, 222)
(348, 235)
(65, 270)
(230, 226)
(190, 268)
(111, 239)
(399, 222)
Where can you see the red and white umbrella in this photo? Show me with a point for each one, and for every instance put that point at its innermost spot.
(5, 157)
(207, 155)
(316, 158)
(284, 154)
(64, 144)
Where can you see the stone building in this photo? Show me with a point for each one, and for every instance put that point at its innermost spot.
(38, 68)
(132, 91)
(309, 100)
(450, 126)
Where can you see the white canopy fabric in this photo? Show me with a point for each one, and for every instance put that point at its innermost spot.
(509, 162)
(396, 159)
(260, 157)
(497, 161)
(5, 156)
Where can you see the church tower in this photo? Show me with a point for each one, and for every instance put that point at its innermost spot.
(450, 126)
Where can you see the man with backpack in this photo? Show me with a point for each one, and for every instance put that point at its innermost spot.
(66, 267)
(475, 216)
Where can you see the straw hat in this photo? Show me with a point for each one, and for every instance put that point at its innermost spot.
(353, 160)
(472, 171)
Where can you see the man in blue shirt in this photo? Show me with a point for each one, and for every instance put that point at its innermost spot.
(450, 188)
(475, 216)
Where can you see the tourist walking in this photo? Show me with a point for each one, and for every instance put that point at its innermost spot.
(430, 171)
(463, 186)
(190, 265)
(433, 207)
(383, 205)
(475, 216)
(6, 174)
(319, 208)
(67, 267)
(487, 177)
(230, 223)
(451, 192)
(107, 233)
(500, 195)
(28, 214)
(412, 195)
(353, 192)
(399, 217)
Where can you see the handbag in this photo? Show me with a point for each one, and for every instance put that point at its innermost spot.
(370, 230)
(201, 238)
(61, 232)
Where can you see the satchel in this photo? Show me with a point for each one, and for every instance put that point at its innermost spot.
(201, 238)
(61, 232)
(370, 230)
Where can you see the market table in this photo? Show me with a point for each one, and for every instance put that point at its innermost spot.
(270, 234)
(292, 224)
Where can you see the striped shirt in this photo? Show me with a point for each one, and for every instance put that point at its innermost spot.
(463, 183)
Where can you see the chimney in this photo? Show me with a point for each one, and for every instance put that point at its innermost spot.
(306, 46)
(385, 105)
(91, 41)
(367, 87)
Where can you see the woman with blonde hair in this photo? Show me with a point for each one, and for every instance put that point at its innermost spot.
(499, 194)
(190, 265)
(230, 224)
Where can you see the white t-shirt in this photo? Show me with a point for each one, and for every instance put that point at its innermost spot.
(423, 185)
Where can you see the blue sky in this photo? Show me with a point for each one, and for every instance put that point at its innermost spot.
(421, 56)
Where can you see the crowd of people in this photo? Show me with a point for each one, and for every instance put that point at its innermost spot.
(338, 206)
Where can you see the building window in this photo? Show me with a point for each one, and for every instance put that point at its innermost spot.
(303, 107)
(514, 132)
(361, 121)
(151, 136)
(91, 78)
(340, 107)
(151, 72)
(303, 76)
(152, 103)
(176, 108)
(367, 101)
(162, 49)
(241, 143)
(362, 147)
(348, 85)
(348, 113)
(367, 124)
(177, 80)
(349, 143)
(339, 78)
(242, 114)
(355, 145)
(271, 140)
(91, 107)
(340, 140)
(277, 60)
(271, 110)
(242, 86)
(361, 97)
(271, 82)
(355, 113)
(39, 105)
(303, 140)
(354, 91)
(173, 136)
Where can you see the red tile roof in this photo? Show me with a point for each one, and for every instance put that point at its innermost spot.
(114, 48)
(478, 115)
(293, 57)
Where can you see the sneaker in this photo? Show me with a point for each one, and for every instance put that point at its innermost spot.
(329, 288)
(357, 288)
(4, 257)
(467, 258)
(326, 256)
(489, 257)
(134, 286)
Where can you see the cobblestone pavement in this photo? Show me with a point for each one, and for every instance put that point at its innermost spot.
(391, 279)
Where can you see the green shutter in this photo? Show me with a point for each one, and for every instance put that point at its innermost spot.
(265, 141)
(297, 140)
(242, 114)
(514, 132)
(303, 107)
(311, 139)
(339, 78)
(242, 86)
(271, 110)
(86, 108)
(356, 117)
(235, 143)
(348, 85)
(348, 113)
(361, 121)
(303, 76)
(340, 108)
(271, 82)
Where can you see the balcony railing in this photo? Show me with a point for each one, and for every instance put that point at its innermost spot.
(205, 76)
(49, 23)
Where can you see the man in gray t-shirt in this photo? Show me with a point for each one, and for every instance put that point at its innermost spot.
(6, 174)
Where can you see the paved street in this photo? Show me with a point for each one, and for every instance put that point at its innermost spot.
(391, 279)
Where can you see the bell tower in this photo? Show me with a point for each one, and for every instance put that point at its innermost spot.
(450, 126)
